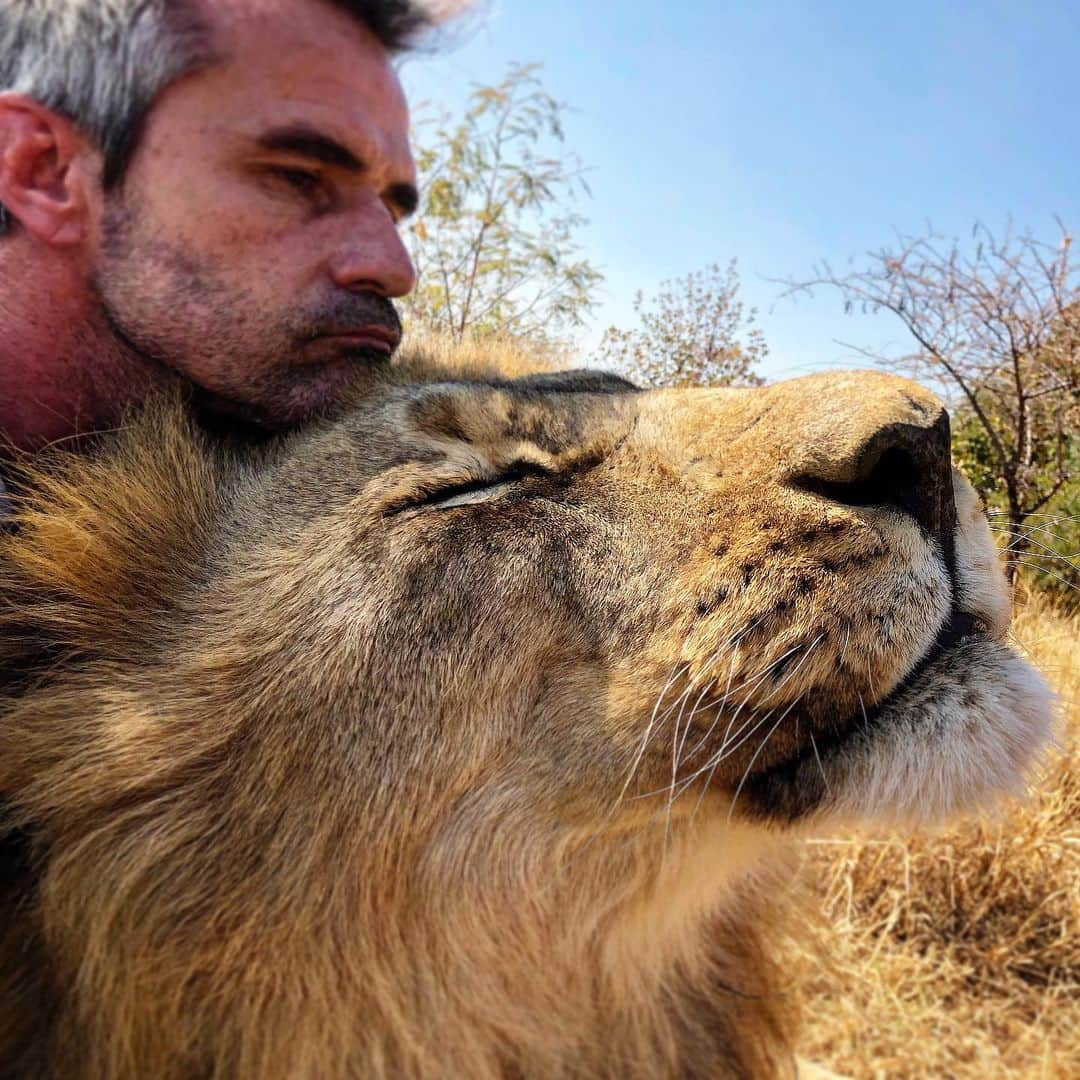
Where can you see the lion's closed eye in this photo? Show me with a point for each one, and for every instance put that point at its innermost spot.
(479, 489)
(469, 494)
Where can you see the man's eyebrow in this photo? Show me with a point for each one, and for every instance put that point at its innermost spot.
(309, 143)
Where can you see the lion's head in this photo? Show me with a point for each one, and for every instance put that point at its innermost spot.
(448, 737)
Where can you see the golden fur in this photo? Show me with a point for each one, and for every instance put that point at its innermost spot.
(451, 738)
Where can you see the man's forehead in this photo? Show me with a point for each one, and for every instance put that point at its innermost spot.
(308, 63)
(308, 48)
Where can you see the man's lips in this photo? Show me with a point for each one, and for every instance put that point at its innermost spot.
(370, 336)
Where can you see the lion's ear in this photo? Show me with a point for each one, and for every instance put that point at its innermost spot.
(98, 540)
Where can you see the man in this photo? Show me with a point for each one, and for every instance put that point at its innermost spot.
(205, 187)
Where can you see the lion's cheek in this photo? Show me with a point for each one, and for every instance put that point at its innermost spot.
(966, 736)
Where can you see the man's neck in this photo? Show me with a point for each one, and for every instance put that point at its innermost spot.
(63, 374)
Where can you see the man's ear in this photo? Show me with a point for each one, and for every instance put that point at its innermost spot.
(50, 177)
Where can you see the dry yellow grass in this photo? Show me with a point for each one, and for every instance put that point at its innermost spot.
(488, 354)
(958, 954)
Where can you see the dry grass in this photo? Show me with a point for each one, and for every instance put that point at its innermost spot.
(490, 354)
(958, 954)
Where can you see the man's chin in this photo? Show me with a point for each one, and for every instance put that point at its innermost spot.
(295, 397)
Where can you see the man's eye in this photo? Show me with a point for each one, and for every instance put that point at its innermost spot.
(307, 183)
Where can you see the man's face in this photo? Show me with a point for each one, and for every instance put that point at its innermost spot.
(253, 245)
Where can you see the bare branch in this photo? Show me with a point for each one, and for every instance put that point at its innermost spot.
(998, 318)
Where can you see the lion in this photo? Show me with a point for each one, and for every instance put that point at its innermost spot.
(465, 734)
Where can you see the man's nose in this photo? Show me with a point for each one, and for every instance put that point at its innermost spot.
(373, 257)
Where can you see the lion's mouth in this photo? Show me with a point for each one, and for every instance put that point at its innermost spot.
(960, 626)
(961, 728)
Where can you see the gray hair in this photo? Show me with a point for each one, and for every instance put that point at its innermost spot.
(102, 63)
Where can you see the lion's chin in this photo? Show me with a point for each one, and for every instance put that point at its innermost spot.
(965, 731)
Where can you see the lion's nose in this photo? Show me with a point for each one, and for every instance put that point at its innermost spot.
(906, 466)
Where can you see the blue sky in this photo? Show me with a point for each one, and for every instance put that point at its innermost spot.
(784, 133)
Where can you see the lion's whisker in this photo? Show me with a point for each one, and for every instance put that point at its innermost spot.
(706, 687)
(992, 512)
(787, 678)
(718, 703)
(723, 742)
(757, 752)
(821, 768)
(1016, 546)
(743, 689)
(725, 750)
(636, 763)
(1030, 530)
(746, 686)
(843, 651)
(1049, 573)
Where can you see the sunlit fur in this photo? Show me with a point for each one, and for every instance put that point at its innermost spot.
(322, 765)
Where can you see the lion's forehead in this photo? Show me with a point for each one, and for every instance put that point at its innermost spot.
(557, 421)
(785, 426)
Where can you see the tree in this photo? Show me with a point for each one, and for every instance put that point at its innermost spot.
(695, 331)
(493, 242)
(1050, 548)
(997, 321)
